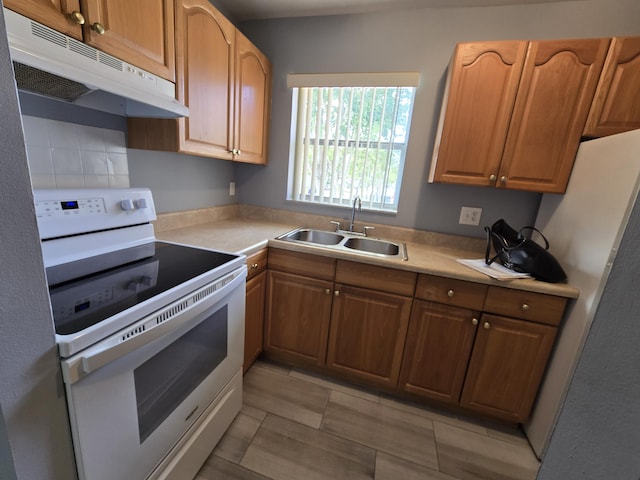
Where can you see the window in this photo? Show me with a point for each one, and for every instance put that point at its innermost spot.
(349, 138)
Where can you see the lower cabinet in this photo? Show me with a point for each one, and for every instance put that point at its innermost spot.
(298, 309)
(437, 351)
(254, 307)
(508, 361)
(368, 330)
(482, 348)
(490, 363)
(254, 319)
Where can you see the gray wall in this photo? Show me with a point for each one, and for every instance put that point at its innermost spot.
(415, 40)
(597, 435)
(181, 182)
(35, 424)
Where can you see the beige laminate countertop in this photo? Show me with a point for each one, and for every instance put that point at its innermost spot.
(248, 235)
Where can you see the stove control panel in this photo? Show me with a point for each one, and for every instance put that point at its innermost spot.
(64, 212)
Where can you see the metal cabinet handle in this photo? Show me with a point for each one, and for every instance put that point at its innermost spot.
(486, 325)
(77, 17)
(336, 293)
(328, 291)
(474, 321)
(254, 266)
(98, 28)
(451, 293)
(503, 179)
(492, 178)
(525, 307)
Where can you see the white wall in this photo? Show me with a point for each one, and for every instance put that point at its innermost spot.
(35, 425)
(412, 40)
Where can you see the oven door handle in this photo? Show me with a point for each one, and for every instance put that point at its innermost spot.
(116, 346)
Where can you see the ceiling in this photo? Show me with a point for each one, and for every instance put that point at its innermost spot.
(243, 10)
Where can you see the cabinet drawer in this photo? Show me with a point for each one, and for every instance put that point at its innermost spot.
(315, 266)
(448, 291)
(536, 307)
(384, 279)
(256, 263)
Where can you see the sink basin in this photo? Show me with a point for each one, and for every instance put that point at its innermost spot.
(344, 241)
(315, 236)
(372, 246)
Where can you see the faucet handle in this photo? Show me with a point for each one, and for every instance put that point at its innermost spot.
(337, 224)
(366, 229)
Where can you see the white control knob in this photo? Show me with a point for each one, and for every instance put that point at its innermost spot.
(141, 203)
(127, 204)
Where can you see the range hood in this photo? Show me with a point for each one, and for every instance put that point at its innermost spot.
(49, 63)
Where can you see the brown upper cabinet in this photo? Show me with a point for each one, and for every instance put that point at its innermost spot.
(514, 112)
(140, 33)
(226, 83)
(616, 105)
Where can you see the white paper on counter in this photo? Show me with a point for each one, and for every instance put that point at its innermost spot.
(495, 270)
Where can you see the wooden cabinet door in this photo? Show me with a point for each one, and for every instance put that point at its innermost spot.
(297, 317)
(616, 105)
(507, 363)
(205, 79)
(554, 96)
(368, 331)
(141, 33)
(481, 90)
(254, 319)
(437, 351)
(252, 102)
(55, 14)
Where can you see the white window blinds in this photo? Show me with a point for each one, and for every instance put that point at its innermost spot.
(350, 134)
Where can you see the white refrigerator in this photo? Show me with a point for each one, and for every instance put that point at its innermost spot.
(584, 227)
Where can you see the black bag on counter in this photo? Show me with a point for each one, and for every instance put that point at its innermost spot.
(521, 254)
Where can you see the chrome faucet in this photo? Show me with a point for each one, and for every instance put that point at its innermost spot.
(356, 202)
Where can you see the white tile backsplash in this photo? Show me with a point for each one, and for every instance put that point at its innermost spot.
(67, 155)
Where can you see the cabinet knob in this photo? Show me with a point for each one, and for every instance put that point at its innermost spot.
(474, 321)
(336, 293)
(98, 28)
(238, 152)
(254, 266)
(77, 17)
(486, 325)
(451, 293)
(328, 291)
(503, 179)
(525, 307)
(492, 178)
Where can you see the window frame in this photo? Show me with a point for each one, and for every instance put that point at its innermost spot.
(387, 80)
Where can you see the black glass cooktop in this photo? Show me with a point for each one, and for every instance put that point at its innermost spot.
(88, 291)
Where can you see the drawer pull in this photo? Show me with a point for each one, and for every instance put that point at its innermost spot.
(486, 325)
(474, 321)
(525, 307)
(451, 293)
(254, 266)
(336, 293)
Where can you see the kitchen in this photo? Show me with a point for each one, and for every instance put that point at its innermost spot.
(313, 45)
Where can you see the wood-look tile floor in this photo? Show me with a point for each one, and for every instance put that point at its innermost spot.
(296, 426)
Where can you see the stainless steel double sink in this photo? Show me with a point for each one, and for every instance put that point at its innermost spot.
(347, 242)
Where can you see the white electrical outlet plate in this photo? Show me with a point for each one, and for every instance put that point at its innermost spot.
(470, 216)
(232, 189)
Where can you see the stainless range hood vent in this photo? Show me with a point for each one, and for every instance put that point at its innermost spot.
(44, 83)
(50, 63)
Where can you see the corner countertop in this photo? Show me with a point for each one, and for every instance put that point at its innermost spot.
(243, 234)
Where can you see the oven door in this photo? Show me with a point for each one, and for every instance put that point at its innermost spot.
(133, 395)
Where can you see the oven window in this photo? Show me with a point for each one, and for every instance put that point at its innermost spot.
(166, 379)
